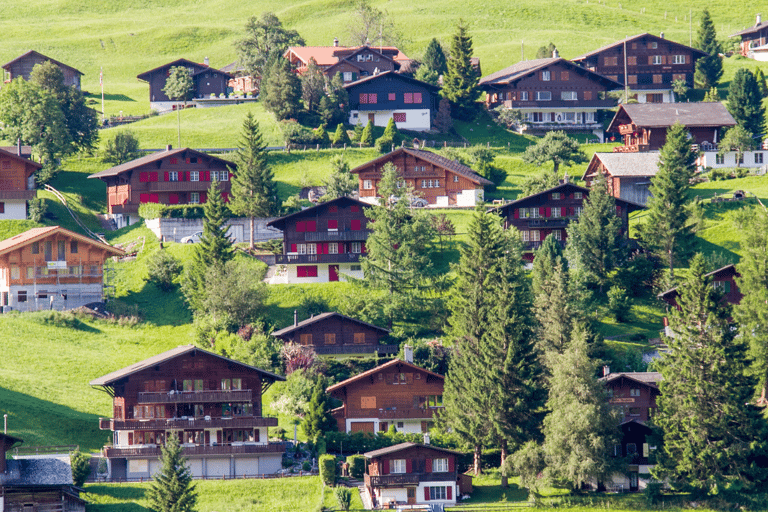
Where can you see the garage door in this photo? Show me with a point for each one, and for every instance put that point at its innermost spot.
(361, 426)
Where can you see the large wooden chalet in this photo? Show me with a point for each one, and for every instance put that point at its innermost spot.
(652, 63)
(722, 279)
(627, 175)
(389, 95)
(397, 393)
(323, 243)
(553, 94)
(413, 474)
(173, 176)
(334, 333)
(52, 268)
(754, 40)
(23, 65)
(17, 183)
(644, 126)
(205, 79)
(353, 62)
(434, 178)
(211, 403)
(549, 212)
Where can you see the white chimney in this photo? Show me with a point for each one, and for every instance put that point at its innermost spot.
(758, 20)
(168, 147)
(606, 370)
(206, 61)
(295, 317)
(408, 354)
(555, 54)
(335, 41)
(661, 35)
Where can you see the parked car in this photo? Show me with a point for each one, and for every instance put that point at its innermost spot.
(191, 239)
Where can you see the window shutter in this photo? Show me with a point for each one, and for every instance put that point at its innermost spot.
(342, 248)
(547, 212)
(385, 467)
(311, 226)
(293, 248)
(727, 287)
(426, 494)
(333, 224)
(166, 176)
(154, 198)
(301, 226)
(143, 198)
(409, 466)
(355, 224)
(354, 76)
(363, 250)
(650, 59)
(153, 176)
(218, 436)
(428, 466)
(517, 213)
(451, 464)
(449, 492)
(618, 210)
(207, 176)
(203, 197)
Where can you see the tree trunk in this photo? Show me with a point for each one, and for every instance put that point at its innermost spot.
(476, 460)
(253, 225)
(504, 479)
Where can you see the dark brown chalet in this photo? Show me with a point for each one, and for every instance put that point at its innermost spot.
(17, 183)
(652, 64)
(353, 62)
(173, 176)
(722, 280)
(644, 127)
(413, 474)
(549, 213)
(323, 243)
(434, 178)
(211, 403)
(628, 175)
(23, 65)
(754, 40)
(397, 393)
(205, 79)
(553, 94)
(334, 333)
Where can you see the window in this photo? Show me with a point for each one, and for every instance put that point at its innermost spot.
(557, 234)
(347, 76)
(60, 252)
(301, 249)
(436, 493)
(535, 235)
(543, 96)
(359, 338)
(656, 60)
(758, 158)
(399, 117)
(333, 248)
(556, 212)
(678, 59)
(720, 159)
(74, 270)
(36, 248)
(173, 176)
(194, 198)
(523, 95)
(220, 175)
(587, 95)
(356, 268)
(306, 271)
(73, 247)
(373, 98)
(568, 96)
(435, 400)
(194, 176)
(455, 178)
(21, 296)
(330, 338)
(740, 159)
(546, 76)
(722, 286)
(526, 236)
(367, 184)
(30, 272)
(633, 411)
(653, 45)
(397, 466)
(611, 61)
(333, 225)
(356, 248)
(634, 392)
(655, 98)
(311, 248)
(174, 161)
(440, 465)
(577, 210)
(48, 251)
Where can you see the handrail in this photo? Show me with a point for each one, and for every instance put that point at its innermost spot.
(63, 200)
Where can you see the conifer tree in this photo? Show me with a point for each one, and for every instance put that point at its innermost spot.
(281, 89)
(712, 95)
(318, 419)
(461, 78)
(709, 69)
(172, 489)
(434, 57)
(553, 304)
(666, 230)
(334, 106)
(366, 138)
(340, 136)
(312, 86)
(761, 82)
(341, 182)
(254, 192)
(745, 102)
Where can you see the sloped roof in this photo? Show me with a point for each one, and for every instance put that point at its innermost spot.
(329, 55)
(26, 151)
(11, 153)
(758, 27)
(178, 62)
(376, 370)
(321, 317)
(49, 471)
(404, 446)
(634, 38)
(45, 57)
(439, 160)
(664, 115)
(648, 378)
(147, 159)
(625, 164)
(562, 186)
(280, 223)
(210, 69)
(524, 68)
(35, 234)
(714, 273)
(168, 355)
(393, 74)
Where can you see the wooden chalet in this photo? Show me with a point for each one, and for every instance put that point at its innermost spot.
(52, 268)
(722, 279)
(414, 474)
(36, 484)
(553, 94)
(353, 62)
(323, 243)
(173, 176)
(754, 40)
(334, 333)
(397, 393)
(389, 95)
(549, 212)
(241, 81)
(652, 63)
(644, 126)
(436, 179)
(23, 65)
(205, 79)
(213, 405)
(627, 175)
(17, 183)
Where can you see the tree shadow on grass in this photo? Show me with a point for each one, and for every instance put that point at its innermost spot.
(110, 97)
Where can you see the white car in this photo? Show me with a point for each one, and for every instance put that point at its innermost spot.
(191, 239)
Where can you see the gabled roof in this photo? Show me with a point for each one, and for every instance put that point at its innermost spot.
(728, 268)
(563, 186)
(373, 371)
(321, 317)
(110, 378)
(31, 53)
(404, 446)
(178, 62)
(651, 379)
(153, 157)
(341, 201)
(53, 471)
(393, 74)
(433, 158)
(329, 55)
(12, 154)
(664, 115)
(7, 440)
(757, 28)
(527, 67)
(36, 234)
(625, 164)
(26, 151)
(634, 38)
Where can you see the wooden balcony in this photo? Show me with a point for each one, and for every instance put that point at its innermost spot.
(124, 208)
(337, 236)
(178, 186)
(558, 222)
(356, 349)
(18, 194)
(394, 413)
(628, 129)
(284, 259)
(400, 480)
(188, 451)
(634, 148)
(188, 397)
(189, 423)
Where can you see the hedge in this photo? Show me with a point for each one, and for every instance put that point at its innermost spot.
(327, 466)
(356, 465)
(176, 211)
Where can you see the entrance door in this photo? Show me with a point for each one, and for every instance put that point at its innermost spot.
(371, 117)
(411, 495)
(633, 482)
(333, 272)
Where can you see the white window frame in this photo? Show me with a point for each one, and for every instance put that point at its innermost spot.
(535, 235)
(556, 212)
(437, 493)
(656, 60)
(456, 177)
(546, 76)
(719, 159)
(678, 59)
(555, 196)
(347, 76)
(333, 248)
(578, 195)
(367, 185)
(526, 236)
(634, 392)
(569, 95)
(577, 210)
(356, 248)
(173, 176)
(440, 465)
(301, 248)
(311, 249)
(569, 117)
(194, 175)
(397, 466)
(194, 198)
(758, 158)
(523, 95)
(543, 96)
(558, 234)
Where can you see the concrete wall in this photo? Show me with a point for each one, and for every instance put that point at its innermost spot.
(173, 230)
(76, 295)
(417, 120)
(14, 209)
(288, 274)
(709, 159)
(210, 467)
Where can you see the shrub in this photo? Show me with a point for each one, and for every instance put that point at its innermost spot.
(37, 209)
(294, 133)
(327, 466)
(619, 303)
(306, 466)
(653, 492)
(639, 274)
(356, 465)
(344, 497)
(384, 144)
(81, 467)
(150, 210)
(164, 270)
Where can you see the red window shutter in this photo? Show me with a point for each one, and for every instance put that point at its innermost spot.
(354, 208)
(218, 436)
(207, 176)
(333, 208)
(373, 98)
(333, 224)
(363, 98)
(293, 247)
(312, 271)
(142, 177)
(385, 467)
(417, 97)
(166, 176)
(355, 224)
(301, 226)
(451, 465)
(618, 210)
(154, 198)
(428, 466)
(325, 248)
(311, 226)
(426, 494)
(342, 248)
(449, 492)
(543, 211)
(173, 199)
(408, 465)
(153, 176)
(130, 438)
(392, 96)
(225, 196)
(203, 197)
(143, 198)
(301, 271)
(548, 212)
(408, 97)
(363, 249)
(517, 213)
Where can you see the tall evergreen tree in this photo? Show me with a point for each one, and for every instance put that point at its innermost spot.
(334, 107)
(713, 439)
(312, 86)
(341, 182)
(318, 419)
(709, 69)
(553, 304)
(366, 138)
(434, 57)
(281, 89)
(254, 192)
(745, 102)
(172, 489)
(666, 230)
(461, 78)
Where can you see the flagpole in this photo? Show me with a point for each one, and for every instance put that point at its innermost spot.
(101, 82)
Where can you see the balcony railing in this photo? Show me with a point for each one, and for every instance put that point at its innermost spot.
(17, 194)
(124, 208)
(187, 451)
(627, 129)
(393, 413)
(557, 222)
(566, 105)
(187, 397)
(177, 186)
(186, 423)
(407, 479)
(283, 259)
(356, 349)
(634, 148)
(337, 236)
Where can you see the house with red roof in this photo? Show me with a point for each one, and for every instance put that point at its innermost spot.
(17, 182)
(754, 40)
(23, 65)
(206, 81)
(353, 62)
(52, 268)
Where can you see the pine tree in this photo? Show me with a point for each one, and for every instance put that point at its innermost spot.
(713, 440)
(340, 136)
(172, 489)
(341, 182)
(761, 82)
(461, 78)
(712, 95)
(312, 86)
(666, 230)
(709, 69)
(434, 58)
(318, 419)
(334, 107)
(281, 89)
(553, 304)
(390, 137)
(745, 102)
(366, 138)
(254, 192)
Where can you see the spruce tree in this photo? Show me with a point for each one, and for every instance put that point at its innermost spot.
(666, 230)
(745, 102)
(254, 192)
(366, 138)
(318, 419)
(709, 69)
(761, 82)
(340, 136)
(281, 89)
(312, 86)
(172, 489)
(553, 303)
(713, 439)
(434, 58)
(334, 107)
(341, 182)
(461, 78)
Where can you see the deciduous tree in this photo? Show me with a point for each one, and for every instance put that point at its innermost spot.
(121, 148)
(312, 86)
(334, 106)
(264, 37)
(461, 78)
(172, 489)
(371, 25)
(745, 102)
(736, 139)
(179, 87)
(709, 69)
(556, 147)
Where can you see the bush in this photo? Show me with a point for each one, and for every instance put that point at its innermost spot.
(294, 133)
(176, 211)
(306, 466)
(65, 319)
(343, 497)
(327, 466)
(384, 144)
(150, 210)
(619, 303)
(37, 209)
(653, 492)
(356, 465)
(164, 270)
(639, 274)
(81, 467)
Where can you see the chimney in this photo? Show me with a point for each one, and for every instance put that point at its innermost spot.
(758, 20)
(168, 147)
(606, 370)
(555, 54)
(206, 61)
(566, 178)
(426, 437)
(335, 42)
(408, 354)
(661, 35)
(295, 318)
(18, 147)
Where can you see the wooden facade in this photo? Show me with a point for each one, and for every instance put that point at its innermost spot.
(652, 64)
(752, 38)
(206, 81)
(397, 393)
(627, 175)
(17, 183)
(23, 65)
(213, 404)
(434, 178)
(334, 333)
(353, 62)
(52, 268)
(723, 280)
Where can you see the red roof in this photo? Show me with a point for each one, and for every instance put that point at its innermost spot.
(379, 368)
(327, 55)
(35, 234)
